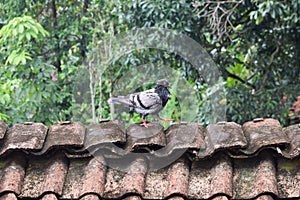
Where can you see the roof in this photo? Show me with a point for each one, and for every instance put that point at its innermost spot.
(256, 160)
(294, 114)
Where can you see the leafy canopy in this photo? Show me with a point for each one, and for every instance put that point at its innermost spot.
(44, 45)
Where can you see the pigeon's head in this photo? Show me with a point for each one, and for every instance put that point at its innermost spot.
(163, 82)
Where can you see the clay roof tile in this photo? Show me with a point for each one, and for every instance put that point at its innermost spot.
(3, 127)
(26, 136)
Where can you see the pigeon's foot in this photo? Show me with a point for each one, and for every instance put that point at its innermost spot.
(145, 124)
(165, 120)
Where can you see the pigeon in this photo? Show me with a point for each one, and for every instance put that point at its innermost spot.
(148, 102)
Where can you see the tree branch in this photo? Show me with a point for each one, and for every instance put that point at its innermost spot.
(239, 79)
(218, 15)
(268, 69)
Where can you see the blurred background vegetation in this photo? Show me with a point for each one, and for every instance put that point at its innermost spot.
(45, 46)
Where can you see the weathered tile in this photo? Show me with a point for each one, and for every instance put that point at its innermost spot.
(156, 184)
(293, 133)
(66, 134)
(8, 196)
(44, 175)
(178, 178)
(132, 197)
(288, 177)
(220, 198)
(85, 176)
(264, 197)
(165, 182)
(3, 127)
(254, 176)
(27, 136)
(105, 138)
(90, 197)
(120, 183)
(12, 171)
(105, 132)
(263, 132)
(181, 138)
(140, 138)
(210, 177)
(176, 198)
(224, 135)
(186, 135)
(49, 197)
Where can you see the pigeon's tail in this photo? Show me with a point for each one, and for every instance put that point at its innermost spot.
(119, 100)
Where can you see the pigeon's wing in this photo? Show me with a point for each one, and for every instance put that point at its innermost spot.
(147, 100)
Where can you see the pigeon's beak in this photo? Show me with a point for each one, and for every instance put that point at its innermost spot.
(169, 96)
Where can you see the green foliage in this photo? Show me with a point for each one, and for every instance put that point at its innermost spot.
(17, 37)
(47, 47)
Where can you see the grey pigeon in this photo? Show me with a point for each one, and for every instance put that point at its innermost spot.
(147, 102)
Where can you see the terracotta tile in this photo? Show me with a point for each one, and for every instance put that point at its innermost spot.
(166, 182)
(264, 197)
(27, 136)
(180, 139)
(119, 183)
(186, 136)
(90, 197)
(12, 173)
(49, 197)
(296, 105)
(288, 177)
(132, 198)
(176, 198)
(254, 176)
(3, 127)
(293, 132)
(134, 181)
(85, 176)
(65, 134)
(156, 184)
(178, 178)
(224, 135)
(106, 135)
(44, 175)
(140, 138)
(220, 198)
(263, 132)
(8, 196)
(211, 177)
(105, 132)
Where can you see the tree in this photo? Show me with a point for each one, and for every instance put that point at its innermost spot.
(256, 46)
(254, 43)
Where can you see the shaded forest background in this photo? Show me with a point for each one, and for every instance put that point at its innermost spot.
(254, 43)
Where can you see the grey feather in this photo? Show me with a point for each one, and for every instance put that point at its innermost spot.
(120, 100)
(147, 102)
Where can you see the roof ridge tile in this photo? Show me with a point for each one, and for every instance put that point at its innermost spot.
(263, 133)
(3, 128)
(149, 139)
(27, 137)
(293, 133)
(64, 135)
(225, 135)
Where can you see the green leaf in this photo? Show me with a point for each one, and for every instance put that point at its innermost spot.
(21, 28)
